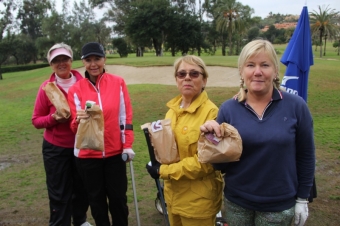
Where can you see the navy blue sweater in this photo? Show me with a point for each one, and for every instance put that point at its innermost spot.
(278, 158)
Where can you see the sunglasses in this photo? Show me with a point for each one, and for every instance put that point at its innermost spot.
(192, 74)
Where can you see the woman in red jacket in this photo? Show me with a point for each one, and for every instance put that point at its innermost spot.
(65, 191)
(104, 172)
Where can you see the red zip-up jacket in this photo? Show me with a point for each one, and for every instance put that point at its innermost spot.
(111, 94)
(58, 134)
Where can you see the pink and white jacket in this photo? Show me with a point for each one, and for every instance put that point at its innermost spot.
(111, 94)
(58, 134)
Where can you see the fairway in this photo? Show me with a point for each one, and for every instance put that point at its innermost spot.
(23, 191)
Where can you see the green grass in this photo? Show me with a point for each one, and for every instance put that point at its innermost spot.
(23, 192)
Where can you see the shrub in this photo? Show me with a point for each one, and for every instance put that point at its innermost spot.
(121, 46)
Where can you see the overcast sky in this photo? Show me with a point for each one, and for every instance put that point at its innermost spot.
(264, 7)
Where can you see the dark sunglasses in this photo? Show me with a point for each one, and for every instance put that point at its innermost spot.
(192, 74)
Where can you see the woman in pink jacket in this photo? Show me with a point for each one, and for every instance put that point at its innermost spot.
(65, 191)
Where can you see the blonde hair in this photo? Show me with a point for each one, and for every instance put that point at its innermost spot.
(58, 46)
(193, 60)
(252, 49)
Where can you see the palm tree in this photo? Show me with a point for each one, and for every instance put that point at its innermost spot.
(244, 24)
(323, 23)
(229, 17)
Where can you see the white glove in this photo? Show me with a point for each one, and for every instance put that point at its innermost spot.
(301, 211)
(130, 152)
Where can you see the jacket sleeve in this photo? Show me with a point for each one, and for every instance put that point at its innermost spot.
(189, 167)
(305, 151)
(125, 117)
(43, 110)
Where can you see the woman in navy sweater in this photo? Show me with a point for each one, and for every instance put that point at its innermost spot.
(272, 181)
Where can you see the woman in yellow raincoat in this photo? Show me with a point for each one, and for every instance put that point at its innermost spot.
(192, 190)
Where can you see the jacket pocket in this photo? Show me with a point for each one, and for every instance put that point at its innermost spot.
(209, 187)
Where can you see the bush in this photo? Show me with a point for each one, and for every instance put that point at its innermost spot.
(23, 67)
(121, 46)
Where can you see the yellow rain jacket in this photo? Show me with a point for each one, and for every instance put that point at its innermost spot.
(192, 189)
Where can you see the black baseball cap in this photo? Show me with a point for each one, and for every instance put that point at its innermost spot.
(92, 48)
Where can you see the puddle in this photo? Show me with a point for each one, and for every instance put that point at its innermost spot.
(4, 165)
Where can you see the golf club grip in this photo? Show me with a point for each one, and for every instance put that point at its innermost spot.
(150, 147)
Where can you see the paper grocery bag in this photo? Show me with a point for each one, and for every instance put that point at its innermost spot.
(90, 133)
(58, 100)
(163, 141)
(228, 148)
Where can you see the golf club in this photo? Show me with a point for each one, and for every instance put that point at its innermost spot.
(125, 158)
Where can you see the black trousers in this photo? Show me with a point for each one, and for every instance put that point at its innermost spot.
(105, 179)
(66, 191)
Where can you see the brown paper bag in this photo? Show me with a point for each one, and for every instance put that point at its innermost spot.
(90, 133)
(58, 100)
(228, 148)
(163, 141)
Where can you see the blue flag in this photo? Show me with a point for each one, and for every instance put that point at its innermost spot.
(298, 57)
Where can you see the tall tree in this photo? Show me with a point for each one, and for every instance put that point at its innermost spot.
(31, 15)
(24, 49)
(54, 27)
(243, 25)
(323, 22)
(191, 39)
(149, 21)
(230, 16)
(6, 21)
(83, 27)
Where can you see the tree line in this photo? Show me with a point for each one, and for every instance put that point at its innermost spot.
(28, 28)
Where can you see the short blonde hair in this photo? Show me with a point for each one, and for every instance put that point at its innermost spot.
(193, 60)
(58, 46)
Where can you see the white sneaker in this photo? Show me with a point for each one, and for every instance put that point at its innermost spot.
(86, 224)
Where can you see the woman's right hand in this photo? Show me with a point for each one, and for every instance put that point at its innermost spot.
(211, 126)
(81, 114)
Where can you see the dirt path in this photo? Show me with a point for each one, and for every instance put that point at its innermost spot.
(218, 76)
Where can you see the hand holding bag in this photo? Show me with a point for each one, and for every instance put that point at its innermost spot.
(90, 133)
(227, 148)
(58, 100)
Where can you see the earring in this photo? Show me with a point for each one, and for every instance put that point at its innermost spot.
(241, 83)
